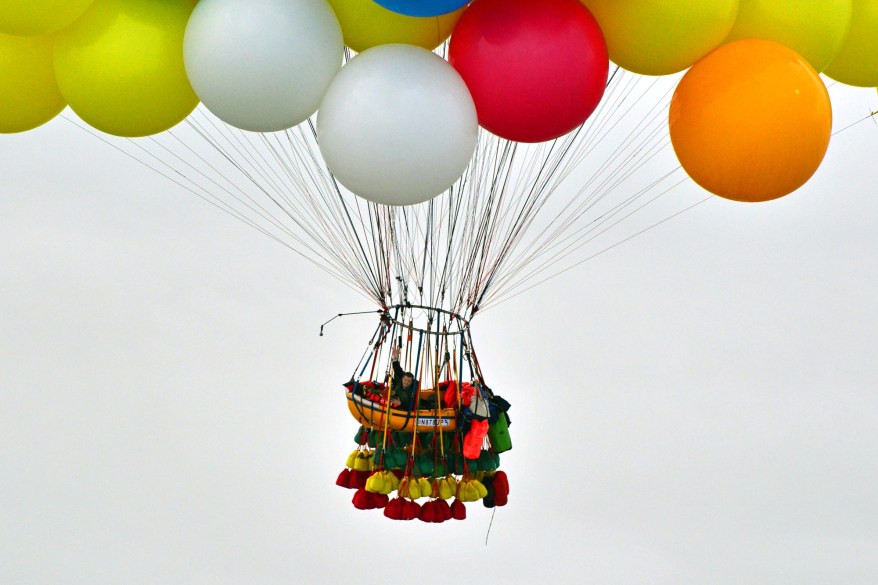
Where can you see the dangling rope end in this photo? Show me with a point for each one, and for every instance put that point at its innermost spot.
(488, 533)
(345, 315)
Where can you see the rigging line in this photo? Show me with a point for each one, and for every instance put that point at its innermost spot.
(403, 255)
(544, 240)
(344, 206)
(325, 220)
(593, 128)
(633, 166)
(383, 243)
(646, 130)
(399, 229)
(244, 153)
(375, 279)
(617, 161)
(452, 251)
(541, 189)
(428, 232)
(585, 203)
(607, 186)
(280, 186)
(659, 102)
(269, 217)
(263, 167)
(279, 226)
(366, 213)
(389, 252)
(322, 207)
(483, 238)
(380, 218)
(368, 265)
(631, 237)
(490, 261)
(196, 155)
(439, 218)
(494, 210)
(442, 255)
(605, 107)
(466, 203)
(871, 115)
(302, 209)
(299, 176)
(558, 239)
(243, 194)
(451, 230)
(209, 199)
(518, 224)
(596, 126)
(308, 177)
(375, 246)
(307, 229)
(352, 277)
(393, 260)
(406, 246)
(628, 142)
(479, 225)
(551, 163)
(264, 213)
(548, 246)
(576, 243)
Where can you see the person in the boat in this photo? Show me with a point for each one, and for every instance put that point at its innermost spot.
(404, 384)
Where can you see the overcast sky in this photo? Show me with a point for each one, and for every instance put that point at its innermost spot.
(698, 405)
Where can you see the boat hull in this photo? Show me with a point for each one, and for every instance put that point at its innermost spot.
(376, 416)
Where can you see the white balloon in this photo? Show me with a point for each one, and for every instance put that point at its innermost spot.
(262, 65)
(398, 125)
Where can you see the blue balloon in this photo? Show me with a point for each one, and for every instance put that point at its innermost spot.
(422, 7)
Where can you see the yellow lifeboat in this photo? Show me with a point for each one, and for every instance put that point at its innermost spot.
(375, 415)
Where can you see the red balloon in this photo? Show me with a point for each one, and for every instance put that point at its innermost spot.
(536, 68)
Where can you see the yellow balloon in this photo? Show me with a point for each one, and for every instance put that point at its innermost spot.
(659, 37)
(814, 29)
(38, 17)
(120, 66)
(857, 61)
(29, 95)
(366, 24)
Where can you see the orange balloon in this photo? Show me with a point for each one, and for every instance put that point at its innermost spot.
(751, 121)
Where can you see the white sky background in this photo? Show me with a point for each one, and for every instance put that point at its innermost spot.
(698, 405)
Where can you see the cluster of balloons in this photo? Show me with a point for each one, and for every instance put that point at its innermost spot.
(397, 124)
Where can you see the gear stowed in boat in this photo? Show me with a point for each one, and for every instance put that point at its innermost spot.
(367, 403)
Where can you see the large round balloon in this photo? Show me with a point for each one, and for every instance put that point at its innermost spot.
(262, 65)
(397, 126)
(536, 70)
(423, 7)
(857, 61)
(814, 29)
(751, 121)
(120, 66)
(29, 95)
(365, 24)
(39, 17)
(659, 37)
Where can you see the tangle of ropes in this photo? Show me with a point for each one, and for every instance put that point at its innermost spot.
(519, 215)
